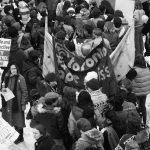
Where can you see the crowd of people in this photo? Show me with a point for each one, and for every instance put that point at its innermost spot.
(65, 117)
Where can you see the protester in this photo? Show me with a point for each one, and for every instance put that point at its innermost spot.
(13, 110)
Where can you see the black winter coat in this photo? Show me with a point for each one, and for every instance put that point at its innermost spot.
(44, 143)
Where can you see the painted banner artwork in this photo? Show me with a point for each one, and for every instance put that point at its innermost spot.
(72, 68)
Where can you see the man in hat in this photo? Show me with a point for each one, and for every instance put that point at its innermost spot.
(99, 99)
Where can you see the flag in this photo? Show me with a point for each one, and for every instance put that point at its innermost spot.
(123, 56)
(49, 64)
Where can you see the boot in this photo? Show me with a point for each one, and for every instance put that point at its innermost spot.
(20, 137)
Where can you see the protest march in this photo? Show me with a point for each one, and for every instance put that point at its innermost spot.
(74, 74)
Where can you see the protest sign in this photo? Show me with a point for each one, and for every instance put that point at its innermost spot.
(5, 45)
(7, 133)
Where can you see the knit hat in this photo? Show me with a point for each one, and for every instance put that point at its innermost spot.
(51, 97)
(117, 22)
(83, 124)
(70, 10)
(90, 75)
(7, 8)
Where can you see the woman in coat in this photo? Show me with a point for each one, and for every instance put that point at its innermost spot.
(13, 110)
(140, 77)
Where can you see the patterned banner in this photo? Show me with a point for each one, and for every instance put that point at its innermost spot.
(72, 69)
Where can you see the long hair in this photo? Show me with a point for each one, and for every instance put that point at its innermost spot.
(107, 5)
(140, 61)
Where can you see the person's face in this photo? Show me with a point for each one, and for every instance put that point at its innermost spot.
(10, 11)
(4, 26)
(36, 134)
(13, 70)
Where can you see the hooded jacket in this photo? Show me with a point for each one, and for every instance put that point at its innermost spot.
(141, 83)
(92, 138)
(75, 114)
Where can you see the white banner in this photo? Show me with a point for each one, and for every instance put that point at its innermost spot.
(123, 56)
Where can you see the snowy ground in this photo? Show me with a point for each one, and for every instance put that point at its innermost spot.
(28, 143)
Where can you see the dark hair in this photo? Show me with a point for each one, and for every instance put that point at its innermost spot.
(117, 22)
(95, 13)
(12, 32)
(84, 100)
(118, 13)
(77, 9)
(67, 4)
(107, 5)
(41, 129)
(7, 8)
(9, 65)
(93, 84)
(88, 28)
(102, 9)
(100, 25)
(110, 17)
(140, 61)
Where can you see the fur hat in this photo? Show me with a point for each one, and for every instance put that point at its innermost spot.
(51, 97)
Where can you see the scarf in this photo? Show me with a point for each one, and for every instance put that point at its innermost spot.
(15, 107)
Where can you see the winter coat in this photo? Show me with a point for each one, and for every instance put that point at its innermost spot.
(111, 138)
(44, 143)
(89, 138)
(53, 122)
(75, 114)
(17, 55)
(141, 83)
(16, 118)
(32, 74)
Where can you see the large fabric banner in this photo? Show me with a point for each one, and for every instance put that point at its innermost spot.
(123, 56)
(72, 68)
(49, 59)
